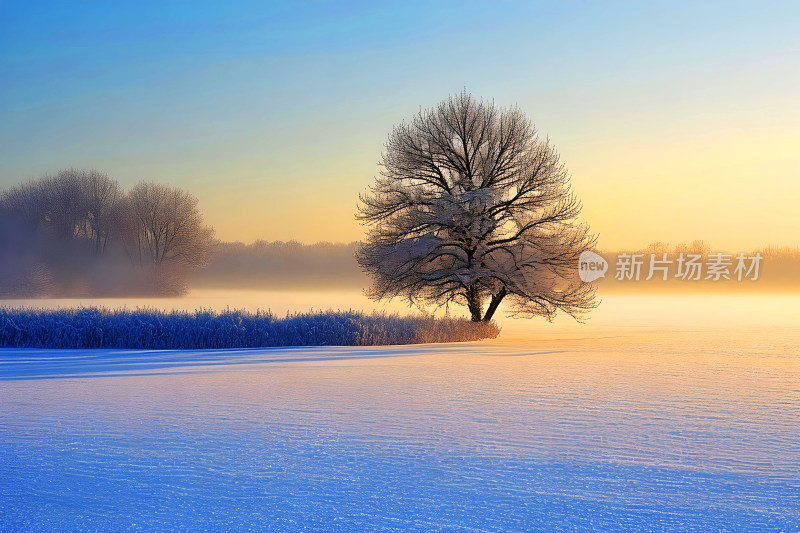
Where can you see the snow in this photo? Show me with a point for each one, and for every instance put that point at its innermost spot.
(634, 427)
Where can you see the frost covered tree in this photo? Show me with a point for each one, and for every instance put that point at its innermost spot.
(165, 226)
(470, 206)
(71, 205)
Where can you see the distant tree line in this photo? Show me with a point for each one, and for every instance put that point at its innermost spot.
(294, 265)
(79, 233)
(281, 265)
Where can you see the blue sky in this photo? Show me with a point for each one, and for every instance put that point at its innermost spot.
(275, 115)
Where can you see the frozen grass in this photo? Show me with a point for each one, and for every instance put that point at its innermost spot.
(205, 329)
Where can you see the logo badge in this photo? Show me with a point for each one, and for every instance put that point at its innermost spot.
(591, 266)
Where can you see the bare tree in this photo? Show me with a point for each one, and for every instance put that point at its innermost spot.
(167, 226)
(24, 203)
(470, 204)
(55, 228)
(72, 204)
(65, 205)
(102, 196)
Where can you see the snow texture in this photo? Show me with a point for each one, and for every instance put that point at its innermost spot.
(679, 430)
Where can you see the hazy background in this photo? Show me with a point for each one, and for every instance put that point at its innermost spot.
(678, 121)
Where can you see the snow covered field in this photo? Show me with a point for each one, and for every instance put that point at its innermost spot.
(662, 414)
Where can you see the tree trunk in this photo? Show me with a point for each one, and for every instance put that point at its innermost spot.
(496, 299)
(474, 303)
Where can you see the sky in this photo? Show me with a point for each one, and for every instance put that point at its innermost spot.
(677, 120)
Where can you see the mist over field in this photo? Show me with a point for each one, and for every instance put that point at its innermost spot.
(280, 264)
(78, 233)
(330, 266)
